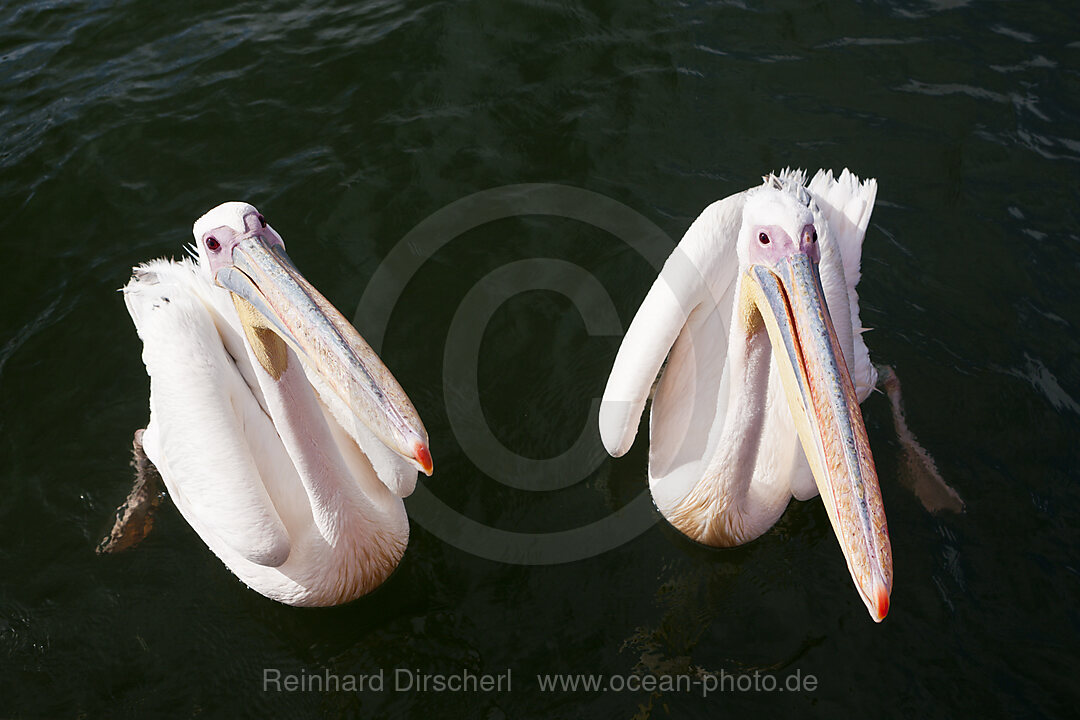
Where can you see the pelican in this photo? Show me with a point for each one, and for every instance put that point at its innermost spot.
(281, 437)
(759, 400)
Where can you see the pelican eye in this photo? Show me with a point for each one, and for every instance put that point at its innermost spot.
(763, 238)
(813, 238)
(212, 244)
(262, 220)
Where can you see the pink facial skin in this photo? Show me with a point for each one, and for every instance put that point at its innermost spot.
(218, 244)
(769, 244)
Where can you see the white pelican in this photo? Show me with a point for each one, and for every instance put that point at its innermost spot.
(282, 438)
(757, 306)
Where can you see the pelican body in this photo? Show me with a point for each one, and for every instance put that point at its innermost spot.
(281, 437)
(757, 314)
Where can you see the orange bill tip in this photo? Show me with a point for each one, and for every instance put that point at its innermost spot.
(423, 456)
(882, 602)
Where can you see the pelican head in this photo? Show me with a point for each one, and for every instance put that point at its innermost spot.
(781, 289)
(240, 252)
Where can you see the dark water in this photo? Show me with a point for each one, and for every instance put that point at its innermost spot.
(349, 124)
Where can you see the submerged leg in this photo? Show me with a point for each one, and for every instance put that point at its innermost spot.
(135, 517)
(922, 475)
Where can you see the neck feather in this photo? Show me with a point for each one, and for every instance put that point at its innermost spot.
(721, 508)
(300, 423)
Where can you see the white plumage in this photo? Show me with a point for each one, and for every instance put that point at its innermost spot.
(276, 475)
(724, 458)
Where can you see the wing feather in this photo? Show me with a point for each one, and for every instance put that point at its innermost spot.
(202, 416)
(679, 310)
(655, 326)
(847, 203)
